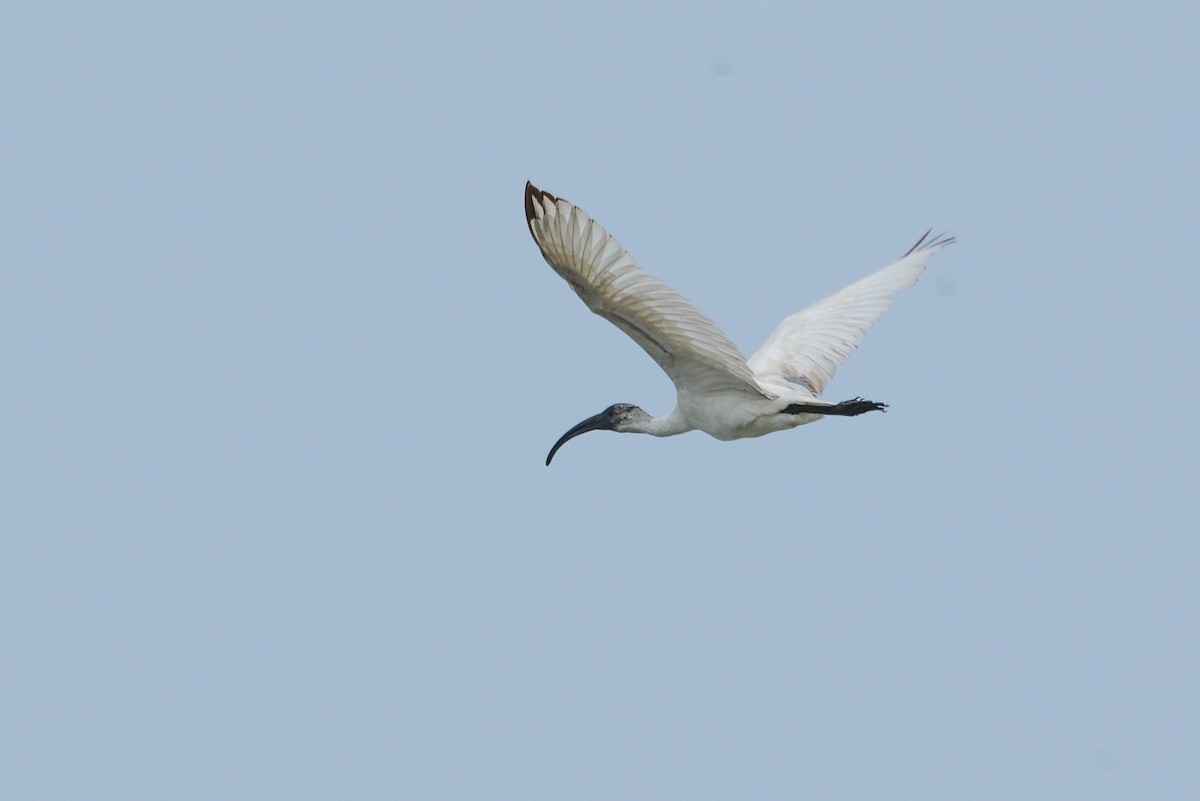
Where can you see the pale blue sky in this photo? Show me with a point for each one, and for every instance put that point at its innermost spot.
(282, 365)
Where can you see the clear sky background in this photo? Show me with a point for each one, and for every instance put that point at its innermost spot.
(281, 365)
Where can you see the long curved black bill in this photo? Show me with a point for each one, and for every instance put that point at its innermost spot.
(599, 422)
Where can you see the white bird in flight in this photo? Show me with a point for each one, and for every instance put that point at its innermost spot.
(718, 390)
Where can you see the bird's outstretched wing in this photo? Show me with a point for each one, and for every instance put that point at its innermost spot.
(808, 347)
(688, 346)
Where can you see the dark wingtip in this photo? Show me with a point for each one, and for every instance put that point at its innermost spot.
(926, 242)
(532, 195)
(530, 192)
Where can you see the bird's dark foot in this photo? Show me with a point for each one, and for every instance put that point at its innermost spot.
(850, 408)
(853, 408)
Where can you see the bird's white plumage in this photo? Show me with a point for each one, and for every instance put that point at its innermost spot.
(809, 346)
(688, 346)
(719, 391)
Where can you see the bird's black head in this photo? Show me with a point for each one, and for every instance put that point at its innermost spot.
(618, 417)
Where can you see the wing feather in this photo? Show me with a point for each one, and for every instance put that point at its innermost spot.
(808, 347)
(688, 346)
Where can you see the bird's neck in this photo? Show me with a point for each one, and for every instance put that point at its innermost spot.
(668, 426)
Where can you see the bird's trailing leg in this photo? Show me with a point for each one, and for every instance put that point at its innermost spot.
(850, 408)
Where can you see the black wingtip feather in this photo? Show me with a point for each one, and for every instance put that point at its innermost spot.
(926, 242)
(532, 195)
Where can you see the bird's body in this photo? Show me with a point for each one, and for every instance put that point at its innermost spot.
(729, 415)
(718, 390)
